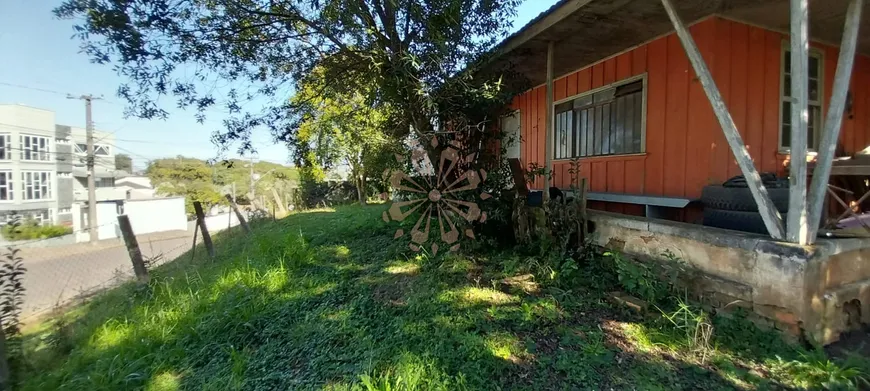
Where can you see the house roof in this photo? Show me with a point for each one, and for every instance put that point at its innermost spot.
(586, 31)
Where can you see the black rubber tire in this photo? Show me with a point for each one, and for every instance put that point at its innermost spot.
(734, 220)
(740, 199)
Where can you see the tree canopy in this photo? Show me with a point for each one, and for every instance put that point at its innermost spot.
(224, 53)
(197, 180)
(124, 162)
(343, 127)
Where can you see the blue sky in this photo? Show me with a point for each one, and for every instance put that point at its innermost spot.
(41, 64)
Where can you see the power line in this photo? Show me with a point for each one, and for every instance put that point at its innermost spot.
(50, 91)
(34, 88)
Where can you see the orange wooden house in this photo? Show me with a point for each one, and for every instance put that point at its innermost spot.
(628, 104)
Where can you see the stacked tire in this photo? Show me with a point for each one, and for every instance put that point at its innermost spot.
(731, 205)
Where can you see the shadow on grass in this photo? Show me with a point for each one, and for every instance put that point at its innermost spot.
(331, 300)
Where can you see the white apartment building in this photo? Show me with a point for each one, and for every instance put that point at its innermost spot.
(42, 167)
(35, 178)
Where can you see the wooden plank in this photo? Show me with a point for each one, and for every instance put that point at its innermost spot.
(768, 212)
(797, 197)
(598, 75)
(559, 88)
(755, 97)
(721, 70)
(533, 132)
(634, 174)
(610, 71)
(701, 123)
(133, 249)
(850, 170)
(548, 120)
(584, 80)
(196, 233)
(242, 221)
(623, 66)
(657, 56)
(599, 176)
(639, 60)
(676, 117)
(566, 175)
(739, 85)
(518, 172)
(571, 84)
(527, 116)
(206, 237)
(542, 137)
(616, 176)
(770, 133)
(831, 134)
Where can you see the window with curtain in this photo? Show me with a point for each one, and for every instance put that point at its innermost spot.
(603, 122)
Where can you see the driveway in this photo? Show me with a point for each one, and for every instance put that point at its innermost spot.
(57, 274)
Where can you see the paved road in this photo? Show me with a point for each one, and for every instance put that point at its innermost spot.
(58, 274)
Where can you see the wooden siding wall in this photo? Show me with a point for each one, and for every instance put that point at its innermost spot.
(685, 147)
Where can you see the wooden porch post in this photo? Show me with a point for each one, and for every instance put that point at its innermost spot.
(834, 118)
(548, 139)
(769, 213)
(797, 178)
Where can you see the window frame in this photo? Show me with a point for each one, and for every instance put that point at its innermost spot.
(22, 149)
(10, 185)
(820, 55)
(48, 186)
(6, 154)
(642, 77)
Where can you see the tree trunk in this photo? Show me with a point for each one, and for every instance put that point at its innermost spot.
(361, 189)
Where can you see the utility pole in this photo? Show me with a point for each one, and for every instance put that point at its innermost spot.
(89, 160)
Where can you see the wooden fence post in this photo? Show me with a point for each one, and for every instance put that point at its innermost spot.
(200, 220)
(193, 248)
(242, 220)
(133, 249)
(834, 119)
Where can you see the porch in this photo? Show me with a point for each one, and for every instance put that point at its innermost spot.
(629, 103)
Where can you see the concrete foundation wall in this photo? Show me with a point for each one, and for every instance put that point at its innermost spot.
(793, 287)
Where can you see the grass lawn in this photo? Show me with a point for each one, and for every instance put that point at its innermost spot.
(327, 299)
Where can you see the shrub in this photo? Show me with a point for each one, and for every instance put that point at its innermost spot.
(637, 278)
(814, 370)
(31, 229)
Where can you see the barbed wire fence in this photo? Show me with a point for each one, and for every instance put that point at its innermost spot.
(59, 276)
(45, 277)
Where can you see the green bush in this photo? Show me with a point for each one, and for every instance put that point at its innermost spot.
(31, 229)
